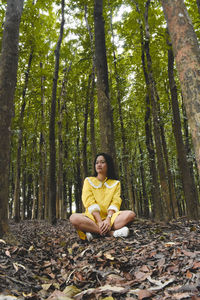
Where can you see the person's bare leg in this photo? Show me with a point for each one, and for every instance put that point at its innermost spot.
(81, 222)
(125, 217)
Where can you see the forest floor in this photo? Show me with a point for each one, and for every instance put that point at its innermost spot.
(157, 261)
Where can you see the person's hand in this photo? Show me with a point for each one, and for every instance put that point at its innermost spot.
(104, 226)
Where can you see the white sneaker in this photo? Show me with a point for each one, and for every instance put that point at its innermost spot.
(89, 236)
(122, 232)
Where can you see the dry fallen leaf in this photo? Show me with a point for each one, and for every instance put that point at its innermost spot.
(58, 295)
(144, 294)
(46, 286)
(71, 290)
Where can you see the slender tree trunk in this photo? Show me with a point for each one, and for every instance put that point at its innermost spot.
(24, 184)
(92, 120)
(104, 105)
(187, 182)
(41, 193)
(61, 108)
(169, 174)
(91, 110)
(187, 56)
(77, 164)
(125, 156)
(84, 151)
(145, 199)
(20, 141)
(52, 167)
(34, 206)
(167, 212)
(198, 5)
(155, 190)
(8, 75)
(70, 197)
(29, 200)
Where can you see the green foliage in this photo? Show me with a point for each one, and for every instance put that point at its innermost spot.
(39, 32)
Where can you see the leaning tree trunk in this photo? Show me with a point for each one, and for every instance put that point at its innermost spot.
(52, 166)
(187, 57)
(8, 75)
(104, 105)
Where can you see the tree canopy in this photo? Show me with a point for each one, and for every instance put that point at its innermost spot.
(137, 48)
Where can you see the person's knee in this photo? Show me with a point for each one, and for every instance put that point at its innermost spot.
(131, 215)
(73, 219)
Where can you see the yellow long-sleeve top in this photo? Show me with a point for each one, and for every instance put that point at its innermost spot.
(101, 196)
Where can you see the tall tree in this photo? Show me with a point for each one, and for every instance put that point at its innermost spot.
(188, 184)
(92, 90)
(125, 157)
(52, 167)
(104, 105)
(20, 141)
(187, 56)
(8, 73)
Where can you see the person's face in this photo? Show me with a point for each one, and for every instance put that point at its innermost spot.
(101, 165)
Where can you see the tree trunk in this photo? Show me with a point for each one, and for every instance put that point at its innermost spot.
(142, 172)
(34, 206)
(41, 191)
(198, 5)
(187, 182)
(167, 211)
(84, 151)
(77, 164)
(125, 155)
(91, 110)
(30, 187)
(169, 174)
(61, 107)
(187, 57)
(104, 105)
(52, 166)
(8, 74)
(19, 146)
(155, 189)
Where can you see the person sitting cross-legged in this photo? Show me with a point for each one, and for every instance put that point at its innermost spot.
(101, 199)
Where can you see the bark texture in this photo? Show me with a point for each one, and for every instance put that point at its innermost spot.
(187, 56)
(8, 74)
(189, 188)
(52, 167)
(105, 110)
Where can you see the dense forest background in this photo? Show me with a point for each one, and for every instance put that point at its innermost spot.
(60, 117)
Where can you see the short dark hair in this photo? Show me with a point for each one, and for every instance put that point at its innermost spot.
(110, 164)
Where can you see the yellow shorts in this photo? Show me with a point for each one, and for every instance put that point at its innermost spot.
(82, 234)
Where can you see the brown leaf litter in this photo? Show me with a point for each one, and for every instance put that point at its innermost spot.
(157, 261)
